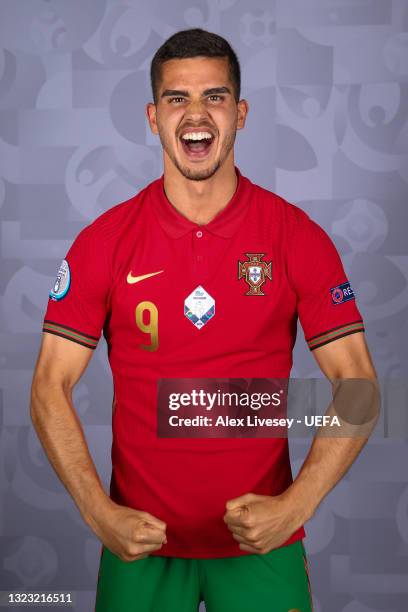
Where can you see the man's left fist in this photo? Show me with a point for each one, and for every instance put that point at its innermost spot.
(262, 522)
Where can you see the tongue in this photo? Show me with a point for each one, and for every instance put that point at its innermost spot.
(198, 145)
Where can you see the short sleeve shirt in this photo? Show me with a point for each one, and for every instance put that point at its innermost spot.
(135, 275)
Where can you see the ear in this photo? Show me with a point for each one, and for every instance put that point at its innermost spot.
(151, 117)
(243, 109)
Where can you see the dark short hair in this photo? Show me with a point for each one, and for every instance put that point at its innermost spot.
(195, 42)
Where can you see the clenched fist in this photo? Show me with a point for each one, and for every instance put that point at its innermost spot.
(130, 534)
(262, 522)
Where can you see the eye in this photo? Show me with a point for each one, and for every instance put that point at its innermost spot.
(176, 100)
(216, 98)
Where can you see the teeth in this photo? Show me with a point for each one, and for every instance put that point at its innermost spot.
(197, 136)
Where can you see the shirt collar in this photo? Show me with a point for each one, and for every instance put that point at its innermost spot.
(224, 224)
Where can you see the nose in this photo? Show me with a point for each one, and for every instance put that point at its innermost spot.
(195, 110)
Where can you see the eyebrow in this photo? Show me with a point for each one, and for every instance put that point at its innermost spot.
(185, 94)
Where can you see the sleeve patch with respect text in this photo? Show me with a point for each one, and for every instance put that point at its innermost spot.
(342, 293)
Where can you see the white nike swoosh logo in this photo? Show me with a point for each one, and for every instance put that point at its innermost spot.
(135, 279)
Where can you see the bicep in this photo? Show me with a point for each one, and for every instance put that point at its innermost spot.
(346, 357)
(60, 361)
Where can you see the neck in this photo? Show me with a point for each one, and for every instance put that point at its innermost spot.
(200, 201)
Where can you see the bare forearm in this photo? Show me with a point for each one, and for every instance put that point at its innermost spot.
(63, 440)
(327, 462)
(331, 454)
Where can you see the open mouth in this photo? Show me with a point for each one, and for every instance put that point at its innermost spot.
(197, 145)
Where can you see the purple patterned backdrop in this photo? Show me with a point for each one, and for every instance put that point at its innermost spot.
(327, 85)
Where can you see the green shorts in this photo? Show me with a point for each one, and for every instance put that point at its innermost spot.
(277, 581)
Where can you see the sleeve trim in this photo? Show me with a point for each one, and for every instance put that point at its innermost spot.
(71, 329)
(338, 332)
(70, 334)
(332, 329)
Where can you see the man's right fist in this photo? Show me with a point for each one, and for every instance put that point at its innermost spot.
(130, 534)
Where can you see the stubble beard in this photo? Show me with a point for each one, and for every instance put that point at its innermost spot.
(205, 173)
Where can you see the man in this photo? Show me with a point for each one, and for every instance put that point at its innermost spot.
(202, 274)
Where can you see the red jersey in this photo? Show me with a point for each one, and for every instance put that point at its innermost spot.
(132, 273)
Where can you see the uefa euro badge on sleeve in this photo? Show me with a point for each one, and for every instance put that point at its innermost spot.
(199, 307)
(62, 282)
(255, 271)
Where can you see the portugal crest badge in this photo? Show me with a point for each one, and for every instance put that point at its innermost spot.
(255, 271)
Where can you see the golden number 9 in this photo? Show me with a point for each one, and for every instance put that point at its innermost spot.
(151, 328)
